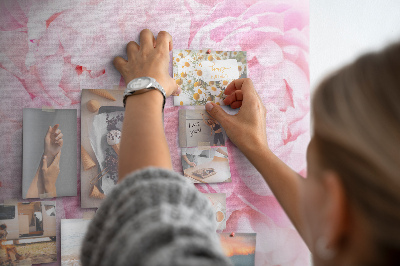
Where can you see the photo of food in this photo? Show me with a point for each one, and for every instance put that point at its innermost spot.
(198, 128)
(218, 201)
(28, 233)
(204, 74)
(239, 247)
(102, 114)
(49, 153)
(206, 164)
(72, 233)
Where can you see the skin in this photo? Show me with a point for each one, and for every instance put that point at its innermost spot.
(46, 175)
(192, 164)
(143, 130)
(317, 206)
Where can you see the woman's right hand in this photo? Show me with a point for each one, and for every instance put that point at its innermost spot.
(247, 129)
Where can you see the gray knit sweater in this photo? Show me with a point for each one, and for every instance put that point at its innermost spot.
(153, 217)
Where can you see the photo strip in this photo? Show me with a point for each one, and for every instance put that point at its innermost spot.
(102, 114)
(204, 74)
(198, 128)
(206, 164)
(240, 248)
(49, 153)
(28, 233)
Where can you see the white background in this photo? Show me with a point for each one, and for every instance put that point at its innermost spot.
(341, 30)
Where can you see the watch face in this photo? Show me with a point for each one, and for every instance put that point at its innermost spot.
(140, 83)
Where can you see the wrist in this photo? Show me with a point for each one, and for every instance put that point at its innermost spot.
(150, 99)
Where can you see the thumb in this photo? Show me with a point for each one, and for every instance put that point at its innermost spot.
(217, 113)
(56, 160)
(44, 163)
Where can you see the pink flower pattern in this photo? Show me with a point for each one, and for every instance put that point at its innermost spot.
(50, 50)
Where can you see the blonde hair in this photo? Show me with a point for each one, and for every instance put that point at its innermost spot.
(357, 134)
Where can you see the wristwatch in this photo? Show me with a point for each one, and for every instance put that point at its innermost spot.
(142, 85)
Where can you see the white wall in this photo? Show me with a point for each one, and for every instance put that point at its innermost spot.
(341, 30)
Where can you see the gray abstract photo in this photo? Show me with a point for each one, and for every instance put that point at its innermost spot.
(49, 153)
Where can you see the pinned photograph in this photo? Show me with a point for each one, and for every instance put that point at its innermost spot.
(102, 114)
(204, 74)
(198, 128)
(49, 153)
(72, 234)
(239, 247)
(206, 164)
(218, 201)
(28, 233)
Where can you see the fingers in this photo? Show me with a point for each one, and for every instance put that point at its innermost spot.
(217, 113)
(164, 41)
(48, 132)
(131, 48)
(119, 63)
(44, 163)
(146, 40)
(235, 99)
(60, 142)
(177, 91)
(59, 136)
(245, 85)
(54, 129)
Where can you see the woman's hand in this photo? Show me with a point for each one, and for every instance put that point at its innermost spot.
(247, 129)
(53, 142)
(50, 174)
(150, 59)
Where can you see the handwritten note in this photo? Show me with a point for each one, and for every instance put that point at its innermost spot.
(219, 70)
(194, 128)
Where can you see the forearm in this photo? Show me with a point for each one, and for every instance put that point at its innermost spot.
(143, 141)
(185, 158)
(36, 186)
(282, 180)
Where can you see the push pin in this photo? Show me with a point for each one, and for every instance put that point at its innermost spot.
(232, 234)
(208, 51)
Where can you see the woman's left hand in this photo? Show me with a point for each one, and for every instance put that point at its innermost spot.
(150, 59)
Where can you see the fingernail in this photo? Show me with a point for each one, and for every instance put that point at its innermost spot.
(44, 157)
(179, 90)
(209, 106)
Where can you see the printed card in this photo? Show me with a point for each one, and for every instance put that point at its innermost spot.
(72, 234)
(198, 128)
(49, 153)
(102, 114)
(218, 201)
(239, 247)
(28, 231)
(204, 76)
(206, 165)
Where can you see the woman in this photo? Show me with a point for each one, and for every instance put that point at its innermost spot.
(12, 254)
(216, 127)
(347, 210)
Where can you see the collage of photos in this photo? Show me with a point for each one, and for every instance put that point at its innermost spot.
(204, 74)
(28, 233)
(102, 114)
(49, 153)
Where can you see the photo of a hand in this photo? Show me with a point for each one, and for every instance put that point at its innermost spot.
(53, 142)
(47, 172)
(192, 164)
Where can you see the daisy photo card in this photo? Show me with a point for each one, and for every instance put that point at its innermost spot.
(204, 74)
